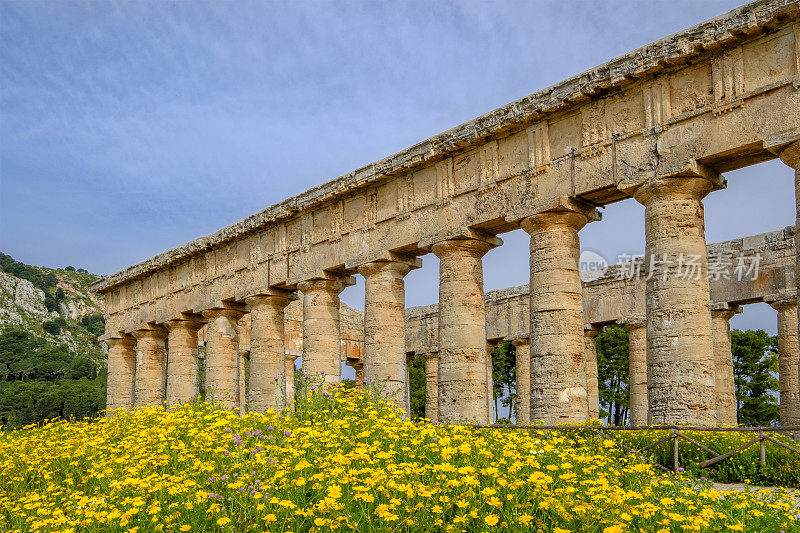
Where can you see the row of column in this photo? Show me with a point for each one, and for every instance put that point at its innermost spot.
(680, 367)
(160, 364)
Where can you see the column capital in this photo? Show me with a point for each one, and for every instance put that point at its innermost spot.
(466, 234)
(724, 309)
(384, 257)
(229, 313)
(474, 247)
(633, 322)
(123, 340)
(562, 211)
(790, 155)
(521, 340)
(194, 323)
(395, 268)
(591, 331)
(157, 332)
(334, 284)
(431, 355)
(291, 356)
(271, 296)
(781, 301)
(694, 187)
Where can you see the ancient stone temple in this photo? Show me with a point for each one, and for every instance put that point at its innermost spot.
(659, 126)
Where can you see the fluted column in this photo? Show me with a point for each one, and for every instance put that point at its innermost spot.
(490, 346)
(409, 362)
(384, 326)
(680, 348)
(183, 365)
(462, 331)
(558, 370)
(637, 370)
(358, 367)
(222, 356)
(788, 383)
(289, 369)
(121, 372)
(267, 350)
(791, 156)
(723, 364)
(321, 334)
(523, 393)
(432, 386)
(151, 371)
(592, 387)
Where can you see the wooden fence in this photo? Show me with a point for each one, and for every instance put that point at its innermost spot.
(677, 433)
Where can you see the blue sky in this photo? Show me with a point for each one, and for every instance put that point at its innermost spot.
(127, 128)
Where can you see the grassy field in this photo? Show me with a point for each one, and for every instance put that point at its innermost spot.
(346, 461)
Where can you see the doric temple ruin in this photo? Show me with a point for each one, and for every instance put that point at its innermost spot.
(659, 125)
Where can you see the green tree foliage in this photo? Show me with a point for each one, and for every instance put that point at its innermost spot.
(39, 380)
(50, 303)
(60, 296)
(504, 377)
(755, 364)
(53, 327)
(612, 374)
(95, 324)
(40, 279)
(417, 377)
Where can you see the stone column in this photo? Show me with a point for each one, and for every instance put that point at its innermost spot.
(558, 370)
(183, 365)
(523, 400)
(289, 369)
(592, 387)
(321, 334)
(432, 386)
(723, 364)
(680, 348)
(359, 369)
(788, 383)
(791, 156)
(267, 350)
(490, 346)
(121, 372)
(462, 331)
(637, 370)
(409, 361)
(244, 355)
(384, 326)
(151, 372)
(222, 356)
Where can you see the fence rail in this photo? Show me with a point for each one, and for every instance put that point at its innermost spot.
(676, 434)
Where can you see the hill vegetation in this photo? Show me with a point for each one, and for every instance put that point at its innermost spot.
(51, 364)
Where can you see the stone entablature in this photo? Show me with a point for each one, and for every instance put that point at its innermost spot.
(674, 107)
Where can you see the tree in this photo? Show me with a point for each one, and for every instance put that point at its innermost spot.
(96, 324)
(41, 380)
(50, 303)
(51, 327)
(612, 374)
(504, 377)
(60, 295)
(755, 363)
(417, 384)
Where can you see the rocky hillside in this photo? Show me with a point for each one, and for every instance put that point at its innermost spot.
(55, 304)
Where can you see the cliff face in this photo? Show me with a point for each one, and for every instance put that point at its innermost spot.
(61, 309)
